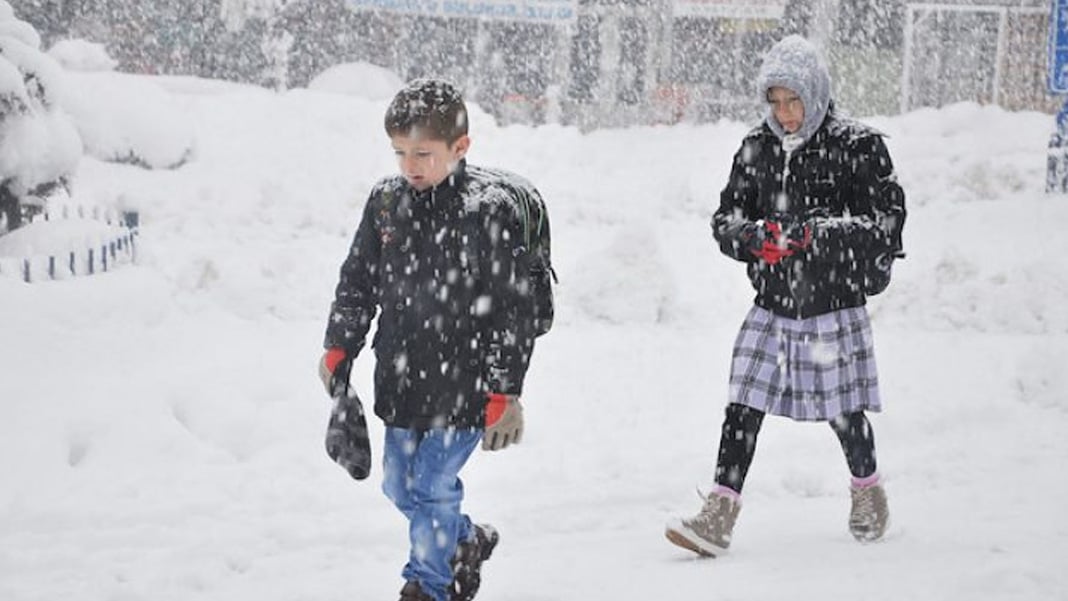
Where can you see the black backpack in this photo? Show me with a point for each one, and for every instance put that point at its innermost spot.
(877, 272)
(535, 218)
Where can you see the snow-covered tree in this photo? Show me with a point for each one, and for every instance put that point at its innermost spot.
(39, 146)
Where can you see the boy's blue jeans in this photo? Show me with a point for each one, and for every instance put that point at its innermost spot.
(421, 477)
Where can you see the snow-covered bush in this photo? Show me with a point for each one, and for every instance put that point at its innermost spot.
(360, 79)
(12, 27)
(39, 146)
(129, 119)
(120, 117)
(82, 55)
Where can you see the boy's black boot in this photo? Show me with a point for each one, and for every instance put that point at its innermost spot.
(467, 564)
(413, 592)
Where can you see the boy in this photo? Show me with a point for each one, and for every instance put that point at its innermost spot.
(456, 258)
(811, 208)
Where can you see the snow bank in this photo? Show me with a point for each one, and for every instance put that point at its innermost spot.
(82, 55)
(360, 79)
(130, 119)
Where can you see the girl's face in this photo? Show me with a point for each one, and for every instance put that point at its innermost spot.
(787, 108)
(426, 162)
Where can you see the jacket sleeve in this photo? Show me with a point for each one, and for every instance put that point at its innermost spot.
(357, 292)
(509, 300)
(735, 219)
(877, 210)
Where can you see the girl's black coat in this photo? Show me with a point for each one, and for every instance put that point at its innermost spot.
(841, 183)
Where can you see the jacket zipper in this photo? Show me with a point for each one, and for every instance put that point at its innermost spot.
(789, 149)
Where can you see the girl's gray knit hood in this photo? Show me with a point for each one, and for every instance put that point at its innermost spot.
(794, 63)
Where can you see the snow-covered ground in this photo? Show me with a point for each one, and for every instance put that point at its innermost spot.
(161, 425)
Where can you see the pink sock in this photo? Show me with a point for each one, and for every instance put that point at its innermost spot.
(867, 482)
(726, 491)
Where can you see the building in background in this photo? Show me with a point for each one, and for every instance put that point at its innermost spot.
(594, 63)
(987, 52)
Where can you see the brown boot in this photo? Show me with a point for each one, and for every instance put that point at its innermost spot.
(869, 514)
(709, 532)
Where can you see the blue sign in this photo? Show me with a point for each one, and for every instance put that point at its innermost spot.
(1058, 47)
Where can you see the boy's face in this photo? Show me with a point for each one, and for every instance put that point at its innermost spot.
(787, 107)
(424, 161)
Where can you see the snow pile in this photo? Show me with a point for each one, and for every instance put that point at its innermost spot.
(57, 238)
(63, 249)
(22, 31)
(362, 80)
(130, 119)
(38, 142)
(606, 290)
(983, 254)
(82, 55)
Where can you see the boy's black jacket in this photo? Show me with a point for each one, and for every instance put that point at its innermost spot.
(842, 183)
(450, 269)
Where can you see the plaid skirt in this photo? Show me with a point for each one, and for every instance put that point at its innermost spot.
(806, 369)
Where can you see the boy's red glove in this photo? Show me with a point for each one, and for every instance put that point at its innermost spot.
(328, 365)
(504, 421)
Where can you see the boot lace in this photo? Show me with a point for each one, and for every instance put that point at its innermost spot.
(864, 510)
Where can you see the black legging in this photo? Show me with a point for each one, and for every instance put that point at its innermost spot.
(737, 444)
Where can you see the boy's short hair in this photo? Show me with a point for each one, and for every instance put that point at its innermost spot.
(433, 107)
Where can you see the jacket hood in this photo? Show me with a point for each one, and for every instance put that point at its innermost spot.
(794, 63)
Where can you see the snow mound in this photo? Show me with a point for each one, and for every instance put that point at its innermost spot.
(58, 238)
(129, 119)
(360, 79)
(20, 30)
(82, 55)
(608, 291)
(64, 248)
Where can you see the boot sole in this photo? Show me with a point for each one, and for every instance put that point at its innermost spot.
(678, 535)
(867, 535)
(492, 538)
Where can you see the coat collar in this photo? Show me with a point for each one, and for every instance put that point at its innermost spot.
(447, 190)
